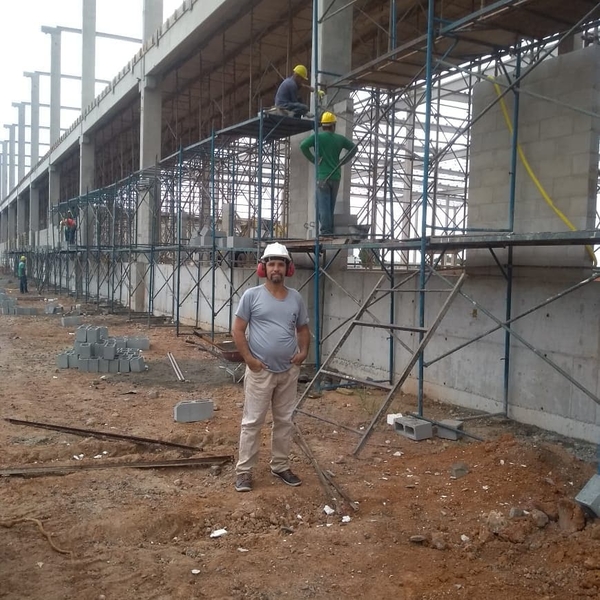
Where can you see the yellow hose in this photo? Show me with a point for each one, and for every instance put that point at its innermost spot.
(531, 174)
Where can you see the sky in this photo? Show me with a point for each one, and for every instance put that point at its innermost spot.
(23, 47)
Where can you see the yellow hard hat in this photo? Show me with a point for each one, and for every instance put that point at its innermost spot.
(301, 70)
(328, 118)
(23, 258)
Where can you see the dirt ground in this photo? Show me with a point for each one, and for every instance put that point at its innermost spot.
(501, 525)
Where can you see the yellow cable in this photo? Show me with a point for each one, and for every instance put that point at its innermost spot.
(531, 174)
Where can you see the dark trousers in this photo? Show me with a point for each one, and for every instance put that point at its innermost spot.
(327, 192)
(23, 284)
(297, 108)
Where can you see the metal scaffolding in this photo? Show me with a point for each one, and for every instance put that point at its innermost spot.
(413, 118)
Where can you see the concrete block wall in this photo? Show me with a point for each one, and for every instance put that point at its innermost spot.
(567, 332)
(560, 144)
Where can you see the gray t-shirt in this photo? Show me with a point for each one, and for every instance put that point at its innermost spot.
(272, 325)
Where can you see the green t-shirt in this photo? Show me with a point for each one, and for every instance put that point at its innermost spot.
(21, 269)
(331, 145)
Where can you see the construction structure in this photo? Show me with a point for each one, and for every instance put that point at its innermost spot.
(478, 139)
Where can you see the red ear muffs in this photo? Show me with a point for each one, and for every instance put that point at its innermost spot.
(261, 269)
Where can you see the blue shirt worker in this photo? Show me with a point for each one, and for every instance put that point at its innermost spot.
(287, 96)
(22, 273)
(331, 145)
(272, 335)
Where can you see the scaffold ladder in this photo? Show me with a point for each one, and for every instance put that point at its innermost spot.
(357, 321)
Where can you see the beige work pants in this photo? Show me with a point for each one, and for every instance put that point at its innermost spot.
(264, 390)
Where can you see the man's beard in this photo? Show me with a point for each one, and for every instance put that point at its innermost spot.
(276, 277)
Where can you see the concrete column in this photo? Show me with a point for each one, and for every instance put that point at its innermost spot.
(4, 171)
(20, 140)
(4, 226)
(152, 15)
(55, 75)
(334, 51)
(150, 150)
(22, 220)
(345, 125)
(334, 47)
(87, 174)
(35, 118)
(301, 203)
(88, 59)
(11, 158)
(12, 223)
(335, 59)
(53, 198)
(34, 214)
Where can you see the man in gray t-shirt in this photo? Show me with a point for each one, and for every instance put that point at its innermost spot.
(272, 335)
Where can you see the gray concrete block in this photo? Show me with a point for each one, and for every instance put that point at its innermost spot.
(413, 428)
(121, 343)
(446, 429)
(93, 365)
(189, 411)
(109, 350)
(85, 350)
(81, 333)
(98, 349)
(62, 360)
(93, 337)
(124, 365)
(589, 496)
(82, 364)
(50, 308)
(102, 365)
(113, 366)
(137, 364)
(73, 360)
(70, 321)
(103, 333)
(138, 343)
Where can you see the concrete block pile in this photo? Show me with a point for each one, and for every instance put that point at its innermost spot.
(8, 306)
(95, 352)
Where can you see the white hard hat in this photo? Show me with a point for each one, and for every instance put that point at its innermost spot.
(276, 250)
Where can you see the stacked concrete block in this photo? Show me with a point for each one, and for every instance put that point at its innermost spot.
(25, 310)
(138, 343)
(109, 350)
(7, 304)
(95, 352)
(62, 360)
(81, 333)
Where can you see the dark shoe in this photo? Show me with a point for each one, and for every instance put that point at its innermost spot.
(288, 477)
(243, 482)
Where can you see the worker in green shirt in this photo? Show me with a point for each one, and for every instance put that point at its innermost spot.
(329, 173)
(22, 273)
